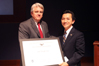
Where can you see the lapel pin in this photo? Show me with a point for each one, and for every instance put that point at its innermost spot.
(70, 34)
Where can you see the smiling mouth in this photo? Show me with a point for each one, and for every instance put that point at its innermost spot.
(64, 23)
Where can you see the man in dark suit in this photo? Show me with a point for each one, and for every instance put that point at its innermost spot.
(72, 42)
(29, 28)
(34, 27)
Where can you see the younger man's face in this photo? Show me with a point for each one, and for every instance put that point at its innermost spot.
(67, 21)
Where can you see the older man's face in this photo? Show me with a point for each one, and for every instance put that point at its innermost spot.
(37, 14)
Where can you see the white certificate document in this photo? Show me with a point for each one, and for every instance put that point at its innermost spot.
(41, 52)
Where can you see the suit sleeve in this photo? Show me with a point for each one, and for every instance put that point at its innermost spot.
(80, 50)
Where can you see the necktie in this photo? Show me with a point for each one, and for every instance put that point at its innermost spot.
(64, 37)
(40, 31)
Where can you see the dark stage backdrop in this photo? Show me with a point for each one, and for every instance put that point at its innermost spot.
(86, 21)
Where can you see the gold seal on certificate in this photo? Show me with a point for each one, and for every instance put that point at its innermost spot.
(41, 52)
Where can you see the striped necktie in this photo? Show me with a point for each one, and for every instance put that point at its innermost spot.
(64, 37)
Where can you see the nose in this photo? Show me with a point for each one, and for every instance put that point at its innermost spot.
(65, 20)
(39, 14)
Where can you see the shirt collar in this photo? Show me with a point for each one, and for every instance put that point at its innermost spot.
(69, 29)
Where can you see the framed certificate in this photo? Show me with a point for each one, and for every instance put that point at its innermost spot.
(41, 52)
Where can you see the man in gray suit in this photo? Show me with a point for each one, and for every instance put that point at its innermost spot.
(29, 28)
(34, 27)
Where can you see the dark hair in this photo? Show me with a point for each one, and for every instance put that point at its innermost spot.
(68, 11)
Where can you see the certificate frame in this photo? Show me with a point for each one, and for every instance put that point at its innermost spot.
(52, 40)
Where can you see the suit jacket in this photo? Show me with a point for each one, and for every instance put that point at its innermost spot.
(28, 29)
(74, 47)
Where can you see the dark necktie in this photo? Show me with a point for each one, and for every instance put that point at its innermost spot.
(64, 37)
(40, 31)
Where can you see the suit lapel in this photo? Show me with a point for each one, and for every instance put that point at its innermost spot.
(42, 25)
(35, 27)
(71, 34)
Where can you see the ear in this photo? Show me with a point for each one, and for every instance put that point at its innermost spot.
(31, 13)
(73, 21)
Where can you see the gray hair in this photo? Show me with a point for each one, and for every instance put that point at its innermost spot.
(37, 5)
